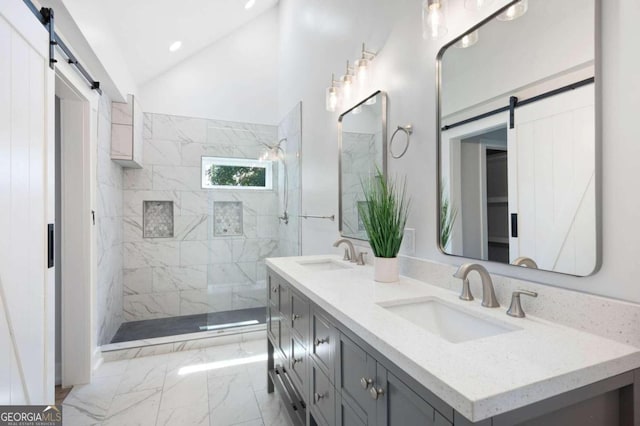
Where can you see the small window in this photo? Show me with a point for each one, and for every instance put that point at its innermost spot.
(238, 173)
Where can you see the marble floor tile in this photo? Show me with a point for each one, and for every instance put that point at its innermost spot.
(135, 408)
(223, 385)
(143, 373)
(229, 401)
(196, 415)
(92, 400)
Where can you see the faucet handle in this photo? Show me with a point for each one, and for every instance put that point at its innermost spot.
(346, 255)
(361, 257)
(466, 291)
(515, 310)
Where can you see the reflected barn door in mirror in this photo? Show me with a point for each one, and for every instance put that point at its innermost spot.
(517, 141)
(362, 141)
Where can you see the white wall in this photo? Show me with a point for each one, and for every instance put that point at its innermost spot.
(318, 35)
(555, 31)
(234, 79)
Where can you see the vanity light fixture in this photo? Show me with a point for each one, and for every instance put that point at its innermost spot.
(515, 11)
(347, 81)
(249, 4)
(467, 40)
(476, 4)
(362, 64)
(434, 25)
(332, 96)
(176, 45)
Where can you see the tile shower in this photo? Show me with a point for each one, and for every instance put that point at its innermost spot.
(189, 250)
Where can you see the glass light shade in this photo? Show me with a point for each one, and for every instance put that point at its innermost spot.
(434, 24)
(362, 69)
(331, 98)
(476, 4)
(356, 110)
(371, 101)
(467, 40)
(514, 12)
(347, 85)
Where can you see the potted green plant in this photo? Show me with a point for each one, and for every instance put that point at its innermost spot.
(384, 215)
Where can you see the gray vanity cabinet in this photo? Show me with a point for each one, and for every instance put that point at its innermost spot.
(373, 395)
(326, 375)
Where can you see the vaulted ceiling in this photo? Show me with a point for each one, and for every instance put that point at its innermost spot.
(145, 29)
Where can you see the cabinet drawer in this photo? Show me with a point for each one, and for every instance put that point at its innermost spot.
(356, 373)
(323, 343)
(300, 318)
(322, 396)
(298, 367)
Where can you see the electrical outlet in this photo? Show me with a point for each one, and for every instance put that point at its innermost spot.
(408, 246)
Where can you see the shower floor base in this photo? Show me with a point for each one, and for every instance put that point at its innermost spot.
(163, 327)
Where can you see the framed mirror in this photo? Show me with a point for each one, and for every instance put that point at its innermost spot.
(362, 143)
(518, 166)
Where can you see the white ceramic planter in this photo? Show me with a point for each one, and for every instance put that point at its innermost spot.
(386, 269)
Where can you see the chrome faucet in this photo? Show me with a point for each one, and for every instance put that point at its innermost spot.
(488, 295)
(352, 250)
(526, 262)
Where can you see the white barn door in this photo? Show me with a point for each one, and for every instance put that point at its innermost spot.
(26, 206)
(552, 182)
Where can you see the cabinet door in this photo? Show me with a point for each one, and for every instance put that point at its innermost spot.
(355, 374)
(323, 344)
(285, 302)
(398, 405)
(300, 318)
(272, 325)
(273, 287)
(298, 368)
(346, 415)
(322, 396)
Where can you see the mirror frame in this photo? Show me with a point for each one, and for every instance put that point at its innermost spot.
(597, 135)
(385, 113)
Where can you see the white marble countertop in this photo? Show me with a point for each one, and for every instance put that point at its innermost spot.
(479, 378)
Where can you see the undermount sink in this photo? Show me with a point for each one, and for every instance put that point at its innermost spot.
(447, 320)
(323, 265)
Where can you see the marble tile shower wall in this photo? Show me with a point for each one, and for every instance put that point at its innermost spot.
(291, 129)
(360, 153)
(195, 271)
(109, 211)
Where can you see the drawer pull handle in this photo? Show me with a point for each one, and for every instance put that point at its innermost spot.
(296, 316)
(366, 382)
(318, 396)
(296, 361)
(376, 392)
(321, 341)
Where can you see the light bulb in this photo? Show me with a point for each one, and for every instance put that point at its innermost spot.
(357, 110)
(467, 40)
(362, 66)
(249, 4)
(514, 12)
(433, 19)
(175, 46)
(331, 98)
(371, 101)
(347, 86)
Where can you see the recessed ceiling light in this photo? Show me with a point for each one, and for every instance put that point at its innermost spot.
(249, 4)
(175, 46)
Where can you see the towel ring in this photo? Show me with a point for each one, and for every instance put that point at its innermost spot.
(408, 130)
